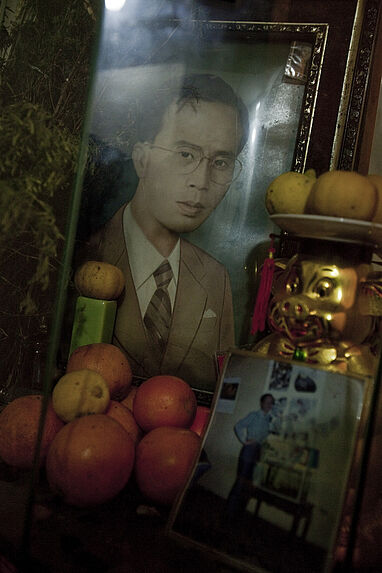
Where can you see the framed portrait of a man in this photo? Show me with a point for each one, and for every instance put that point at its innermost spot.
(192, 114)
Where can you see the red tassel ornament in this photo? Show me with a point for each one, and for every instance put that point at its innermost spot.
(264, 292)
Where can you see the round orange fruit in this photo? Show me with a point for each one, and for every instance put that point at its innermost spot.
(164, 401)
(109, 361)
(90, 460)
(345, 194)
(377, 182)
(124, 416)
(19, 425)
(97, 279)
(200, 422)
(164, 459)
(289, 192)
(129, 400)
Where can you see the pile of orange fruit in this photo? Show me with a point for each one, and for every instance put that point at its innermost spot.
(100, 430)
(335, 193)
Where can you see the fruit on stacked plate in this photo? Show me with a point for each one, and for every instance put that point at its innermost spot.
(344, 194)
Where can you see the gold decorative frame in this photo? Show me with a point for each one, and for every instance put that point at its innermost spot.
(352, 116)
(339, 126)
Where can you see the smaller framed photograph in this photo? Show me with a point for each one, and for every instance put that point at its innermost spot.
(278, 456)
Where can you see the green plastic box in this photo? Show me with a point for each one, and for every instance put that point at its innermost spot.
(93, 321)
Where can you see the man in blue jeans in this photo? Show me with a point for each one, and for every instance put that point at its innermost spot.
(251, 432)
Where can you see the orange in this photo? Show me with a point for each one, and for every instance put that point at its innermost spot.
(129, 400)
(164, 401)
(344, 194)
(109, 361)
(164, 459)
(200, 422)
(19, 424)
(90, 460)
(124, 416)
(289, 192)
(377, 182)
(97, 279)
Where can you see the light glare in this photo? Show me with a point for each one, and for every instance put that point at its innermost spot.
(114, 5)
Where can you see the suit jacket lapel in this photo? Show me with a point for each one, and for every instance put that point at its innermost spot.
(129, 326)
(190, 304)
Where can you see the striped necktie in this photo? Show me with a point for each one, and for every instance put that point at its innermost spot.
(158, 314)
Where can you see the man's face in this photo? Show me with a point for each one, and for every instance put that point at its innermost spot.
(177, 201)
(267, 404)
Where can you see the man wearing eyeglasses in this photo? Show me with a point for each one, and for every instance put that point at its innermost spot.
(176, 312)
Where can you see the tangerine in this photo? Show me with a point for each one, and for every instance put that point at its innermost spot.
(124, 416)
(289, 192)
(200, 422)
(164, 401)
(90, 460)
(19, 425)
(97, 279)
(109, 361)
(345, 194)
(164, 459)
(129, 400)
(377, 182)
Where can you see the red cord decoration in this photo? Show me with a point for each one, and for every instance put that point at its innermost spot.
(264, 292)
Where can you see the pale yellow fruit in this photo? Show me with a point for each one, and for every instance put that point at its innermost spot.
(80, 393)
(346, 194)
(288, 193)
(96, 279)
(377, 182)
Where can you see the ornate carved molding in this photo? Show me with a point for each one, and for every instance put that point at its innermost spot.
(317, 34)
(359, 87)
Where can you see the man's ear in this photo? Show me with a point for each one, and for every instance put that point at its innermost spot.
(140, 158)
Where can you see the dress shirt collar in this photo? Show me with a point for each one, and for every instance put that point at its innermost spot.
(144, 258)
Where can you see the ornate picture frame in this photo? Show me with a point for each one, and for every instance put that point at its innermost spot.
(346, 91)
(274, 66)
(296, 98)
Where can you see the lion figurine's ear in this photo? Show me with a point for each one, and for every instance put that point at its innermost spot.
(370, 296)
(281, 265)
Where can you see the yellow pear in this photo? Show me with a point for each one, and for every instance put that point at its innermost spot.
(80, 393)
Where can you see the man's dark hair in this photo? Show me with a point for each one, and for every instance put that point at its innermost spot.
(264, 396)
(190, 89)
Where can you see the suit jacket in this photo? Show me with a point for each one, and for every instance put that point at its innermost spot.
(202, 319)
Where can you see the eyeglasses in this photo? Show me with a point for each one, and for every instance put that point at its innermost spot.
(223, 169)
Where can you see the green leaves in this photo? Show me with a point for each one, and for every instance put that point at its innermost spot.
(45, 53)
(37, 166)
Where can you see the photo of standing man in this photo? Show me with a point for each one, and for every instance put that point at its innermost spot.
(176, 311)
(251, 431)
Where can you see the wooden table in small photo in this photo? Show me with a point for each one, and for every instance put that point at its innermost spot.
(298, 508)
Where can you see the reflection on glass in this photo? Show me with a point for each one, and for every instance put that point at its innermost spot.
(114, 5)
(138, 55)
(126, 76)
